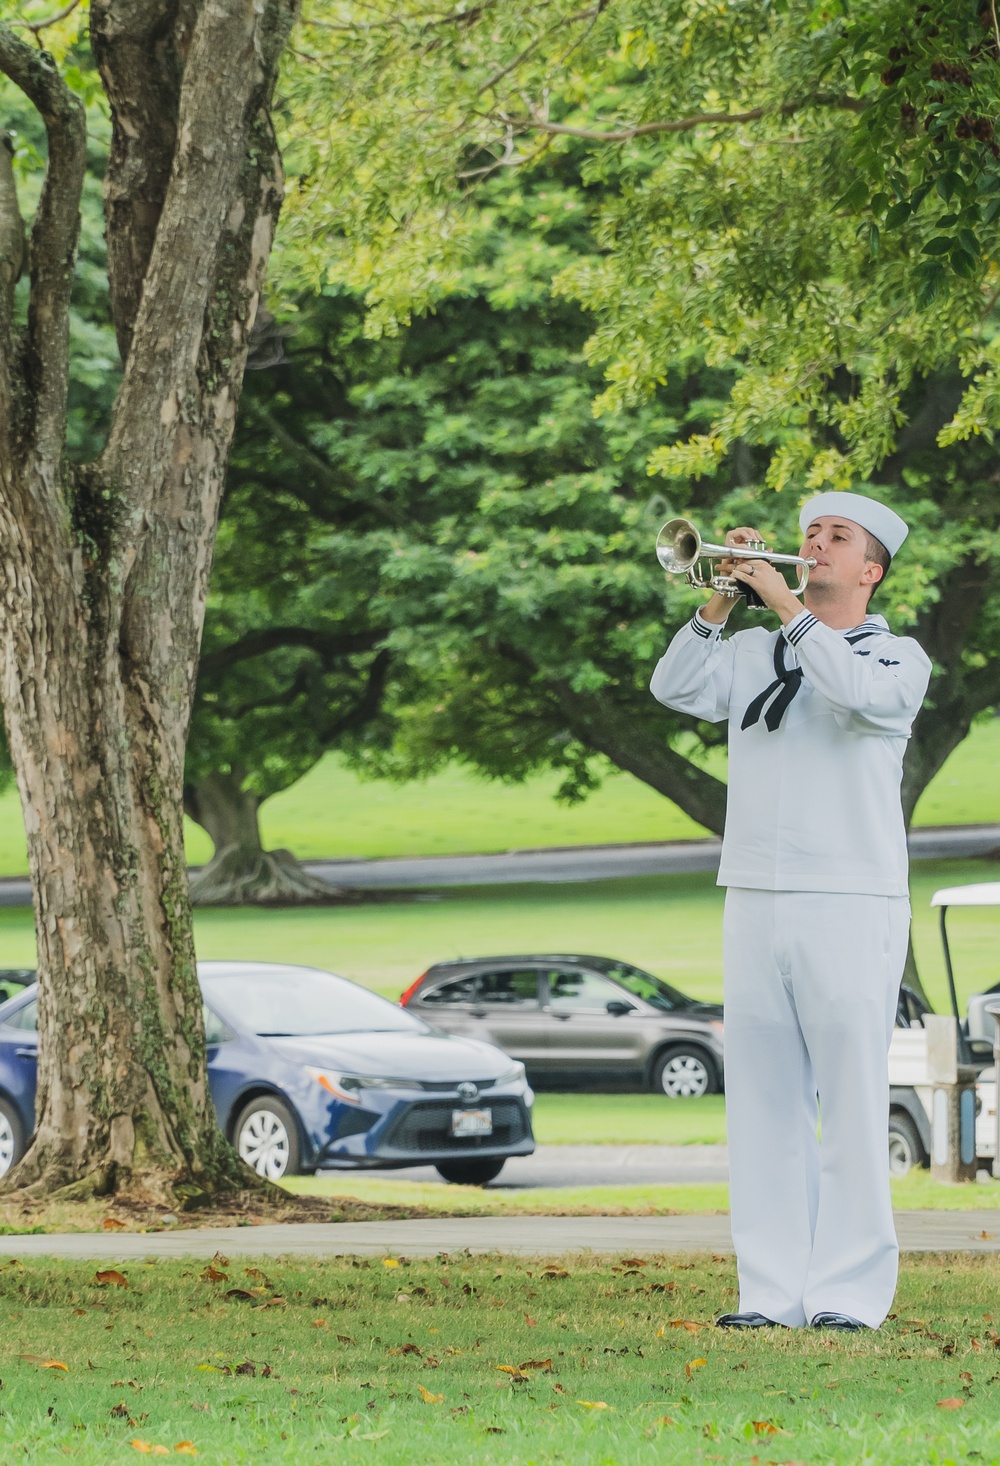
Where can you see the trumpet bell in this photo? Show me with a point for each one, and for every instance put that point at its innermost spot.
(678, 546)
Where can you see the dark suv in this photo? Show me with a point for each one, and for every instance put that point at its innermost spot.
(578, 1018)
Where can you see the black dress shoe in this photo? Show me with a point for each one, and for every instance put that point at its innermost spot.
(842, 1321)
(745, 1321)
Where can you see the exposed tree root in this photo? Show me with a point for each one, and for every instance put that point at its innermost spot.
(241, 875)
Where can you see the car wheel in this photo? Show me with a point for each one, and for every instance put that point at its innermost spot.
(905, 1149)
(11, 1137)
(684, 1073)
(470, 1173)
(267, 1138)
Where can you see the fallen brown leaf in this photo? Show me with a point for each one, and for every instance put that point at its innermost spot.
(112, 1224)
(531, 1322)
(553, 1271)
(950, 1404)
(212, 1274)
(764, 1427)
(186, 1448)
(111, 1278)
(595, 1404)
(545, 1365)
(429, 1397)
(42, 1362)
(690, 1368)
(239, 1295)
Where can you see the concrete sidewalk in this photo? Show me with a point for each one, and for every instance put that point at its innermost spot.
(569, 863)
(919, 1231)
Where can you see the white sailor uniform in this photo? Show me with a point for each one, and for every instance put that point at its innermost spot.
(814, 943)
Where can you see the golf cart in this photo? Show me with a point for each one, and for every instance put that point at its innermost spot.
(910, 1089)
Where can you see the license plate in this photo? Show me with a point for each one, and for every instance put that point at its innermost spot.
(471, 1122)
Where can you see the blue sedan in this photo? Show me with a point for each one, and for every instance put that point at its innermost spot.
(308, 1069)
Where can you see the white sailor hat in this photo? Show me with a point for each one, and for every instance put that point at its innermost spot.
(876, 518)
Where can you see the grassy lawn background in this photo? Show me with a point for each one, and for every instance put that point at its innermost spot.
(491, 1360)
(915, 1192)
(670, 925)
(332, 813)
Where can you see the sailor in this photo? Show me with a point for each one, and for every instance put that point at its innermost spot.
(817, 911)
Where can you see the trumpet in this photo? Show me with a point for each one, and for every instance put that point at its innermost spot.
(680, 549)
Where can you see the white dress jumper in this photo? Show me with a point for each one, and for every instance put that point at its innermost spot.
(814, 943)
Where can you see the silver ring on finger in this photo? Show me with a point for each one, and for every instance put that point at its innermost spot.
(749, 569)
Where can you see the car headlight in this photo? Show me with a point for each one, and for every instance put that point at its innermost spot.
(350, 1086)
(341, 1086)
(509, 1076)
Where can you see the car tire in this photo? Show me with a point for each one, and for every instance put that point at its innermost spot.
(266, 1137)
(906, 1151)
(11, 1136)
(470, 1173)
(684, 1072)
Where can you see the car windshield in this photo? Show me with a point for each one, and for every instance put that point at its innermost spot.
(644, 985)
(297, 1002)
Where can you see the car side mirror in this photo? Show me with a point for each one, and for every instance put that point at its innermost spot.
(617, 1008)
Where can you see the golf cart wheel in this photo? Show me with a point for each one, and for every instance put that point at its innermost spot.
(267, 1138)
(905, 1148)
(469, 1173)
(685, 1072)
(11, 1137)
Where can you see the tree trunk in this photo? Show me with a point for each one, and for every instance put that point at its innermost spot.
(241, 872)
(104, 573)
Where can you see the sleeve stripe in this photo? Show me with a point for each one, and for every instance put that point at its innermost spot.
(699, 628)
(801, 628)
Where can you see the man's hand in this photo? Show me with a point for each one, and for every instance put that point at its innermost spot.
(717, 609)
(770, 585)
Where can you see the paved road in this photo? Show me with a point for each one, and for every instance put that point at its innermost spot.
(594, 1165)
(577, 863)
(972, 1231)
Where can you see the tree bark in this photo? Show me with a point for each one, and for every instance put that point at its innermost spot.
(241, 872)
(104, 572)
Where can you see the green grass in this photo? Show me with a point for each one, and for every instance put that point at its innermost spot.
(629, 1119)
(668, 924)
(915, 1192)
(331, 812)
(622, 1367)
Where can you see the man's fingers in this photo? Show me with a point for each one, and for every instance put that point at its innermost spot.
(745, 535)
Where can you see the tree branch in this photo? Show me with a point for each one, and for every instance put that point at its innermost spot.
(327, 645)
(139, 47)
(322, 472)
(37, 26)
(53, 236)
(647, 756)
(534, 122)
(11, 230)
(11, 260)
(368, 705)
(227, 76)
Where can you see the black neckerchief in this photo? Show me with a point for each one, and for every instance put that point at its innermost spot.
(787, 681)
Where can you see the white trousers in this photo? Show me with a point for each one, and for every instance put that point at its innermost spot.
(811, 984)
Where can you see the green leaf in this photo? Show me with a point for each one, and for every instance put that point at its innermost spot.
(963, 263)
(854, 197)
(873, 240)
(939, 246)
(898, 214)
